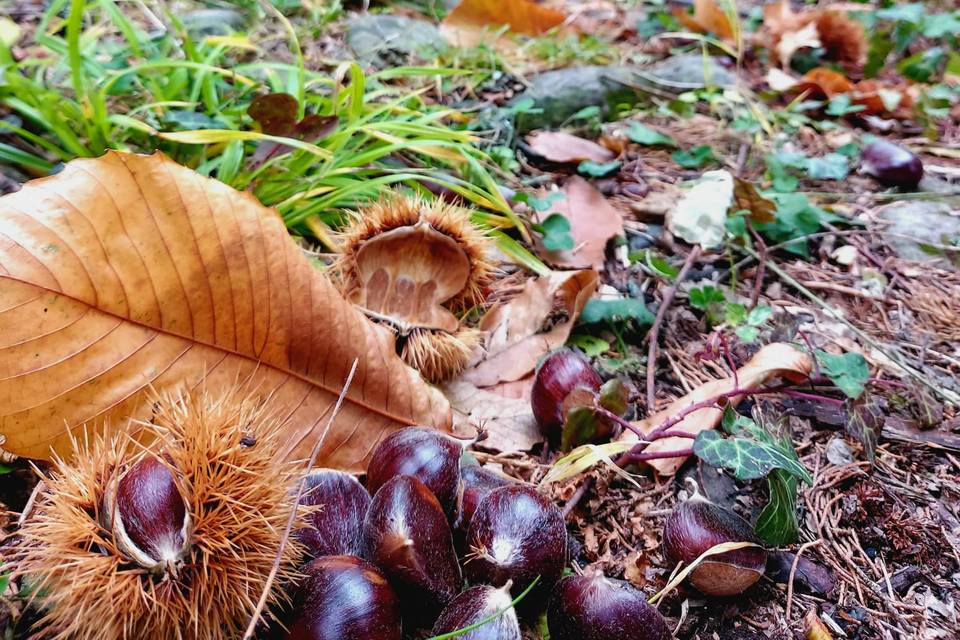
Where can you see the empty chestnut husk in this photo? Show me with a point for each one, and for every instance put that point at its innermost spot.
(593, 607)
(515, 535)
(477, 482)
(557, 376)
(345, 598)
(892, 165)
(335, 529)
(406, 534)
(148, 515)
(475, 605)
(698, 525)
(426, 454)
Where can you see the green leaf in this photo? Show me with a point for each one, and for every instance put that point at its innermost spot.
(923, 66)
(614, 396)
(616, 310)
(747, 333)
(694, 158)
(642, 134)
(597, 170)
(746, 458)
(4, 582)
(704, 297)
(842, 105)
(556, 233)
(849, 371)
(5, 469)
(940, 25)
(539, 204)
(590, 345)
(735, 313)
(902, 13)
(759, 314)
(832, 166)
(659, 265)
(777, 523)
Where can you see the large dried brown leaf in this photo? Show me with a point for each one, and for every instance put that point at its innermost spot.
(557, 146)
(774, 360)
(472, 20)
(593, 221)
(842, 37)
(129, 271)
(707, 17)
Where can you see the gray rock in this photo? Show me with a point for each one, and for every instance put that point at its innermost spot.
(688, 71)
(381, 39)
(914, 226)
(560, 94)
(213, 22)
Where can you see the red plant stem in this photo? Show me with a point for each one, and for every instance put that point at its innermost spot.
(657, 455)
(654, 335)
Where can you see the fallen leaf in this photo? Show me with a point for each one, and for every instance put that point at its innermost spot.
(593, 221)
(841, 37)
(701, 214)
(747, 198)
(824, 83)
(535, 322)
(707, 17)
(508, 421)
(780, 80)
(473, 21)
(774, 360)
(557, 146)
(806, 37)
(129, 272)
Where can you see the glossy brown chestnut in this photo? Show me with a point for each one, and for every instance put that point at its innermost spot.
(697, 525)
(515, 535)
(426, 454)
(148, 515)
(892, 165)
(336, 528)
(406, 534)
(559, 374)
(592, 607)
(475, 605)
(477, 483)
(345, 598)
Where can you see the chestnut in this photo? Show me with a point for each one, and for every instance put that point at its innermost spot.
(515, 535)
(477, 483)
(593, 607)
(148, 516)
(335, 528)
(345, 598)
(407, 535)
(892, 165)
(557, 376)
(697, 525)
(426, 454)
(475, 605)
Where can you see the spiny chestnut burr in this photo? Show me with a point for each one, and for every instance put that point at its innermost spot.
(148, 516)
(593, 607)
(558, 375)
(697, 525)
(477, 483)
(515, 535)
(345, 598)
(475, 605)
(892, 165)
(406, 534)
(426, 454)
(335, 529)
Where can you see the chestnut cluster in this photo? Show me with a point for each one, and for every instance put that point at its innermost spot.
(394, 556)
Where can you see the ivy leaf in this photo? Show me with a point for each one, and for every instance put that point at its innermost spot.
(777, 523)
(598, 170)
(556, 233)
(746, 458)
(616, 310)
(832, 166)
(694, 158)
(921, 67)
(642, 134)
(849, 371)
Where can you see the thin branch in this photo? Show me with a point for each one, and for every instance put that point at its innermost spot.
(654, 335)
(296, 501)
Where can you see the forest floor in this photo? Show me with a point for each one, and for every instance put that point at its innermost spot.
(602, 125)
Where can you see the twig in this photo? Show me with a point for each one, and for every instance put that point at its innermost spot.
(296, 501)
(654, 335)
(793, 574)
(642, 456)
